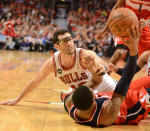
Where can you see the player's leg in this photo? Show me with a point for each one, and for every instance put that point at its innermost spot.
(137, 103)
(144, 43)
(140, 82)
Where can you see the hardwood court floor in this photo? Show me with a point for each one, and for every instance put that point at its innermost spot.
(17, 68)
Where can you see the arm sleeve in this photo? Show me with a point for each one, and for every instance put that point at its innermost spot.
(127, 76)
(120, 71)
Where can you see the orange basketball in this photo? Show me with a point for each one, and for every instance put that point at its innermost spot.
(120, 20)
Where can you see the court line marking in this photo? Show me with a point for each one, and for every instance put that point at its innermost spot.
(59, 90)
(41, 102)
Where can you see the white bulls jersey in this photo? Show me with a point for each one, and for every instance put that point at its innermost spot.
(148, 66)
(78, 75)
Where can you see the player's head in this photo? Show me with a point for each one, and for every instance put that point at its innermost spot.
(63, 41)
(56, 35)
(82, 98)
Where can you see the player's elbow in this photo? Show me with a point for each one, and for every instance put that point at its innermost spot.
(109, 120)
(110, 113)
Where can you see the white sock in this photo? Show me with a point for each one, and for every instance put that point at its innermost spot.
(147, 98)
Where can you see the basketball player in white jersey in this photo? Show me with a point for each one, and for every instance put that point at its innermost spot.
(143, 60)
(142, 9)
(73, 66)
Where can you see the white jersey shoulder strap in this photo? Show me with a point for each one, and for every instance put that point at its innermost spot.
(56, 61)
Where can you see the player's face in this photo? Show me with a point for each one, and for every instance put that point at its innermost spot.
(66, 44)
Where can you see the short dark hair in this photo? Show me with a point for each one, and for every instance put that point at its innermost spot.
(82, 98)
(57, 33)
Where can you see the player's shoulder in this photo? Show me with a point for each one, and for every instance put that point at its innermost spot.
(88, 52)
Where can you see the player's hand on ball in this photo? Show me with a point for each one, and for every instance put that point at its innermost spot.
(133, 38)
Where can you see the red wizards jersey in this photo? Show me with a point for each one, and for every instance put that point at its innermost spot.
(134, 107)
(135, 6)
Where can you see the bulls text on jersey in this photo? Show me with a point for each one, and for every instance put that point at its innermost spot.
(73, 77)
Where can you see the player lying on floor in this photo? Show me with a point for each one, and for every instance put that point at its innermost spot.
(124, 106)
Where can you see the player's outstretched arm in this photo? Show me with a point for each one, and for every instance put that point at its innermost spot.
(112, 107)
(43, 73)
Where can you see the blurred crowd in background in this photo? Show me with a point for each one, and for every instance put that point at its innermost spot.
(29, 25)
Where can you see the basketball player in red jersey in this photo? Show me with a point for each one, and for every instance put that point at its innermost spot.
(142, 9)
(72, 66)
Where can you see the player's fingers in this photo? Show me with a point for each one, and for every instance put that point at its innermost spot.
(133, 32)
(99, 72)
(136, 32)
(130, 33)
(3, 103)
(142, 20)
(140, 27)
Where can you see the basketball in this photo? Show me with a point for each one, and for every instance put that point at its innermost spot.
(120, 20)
